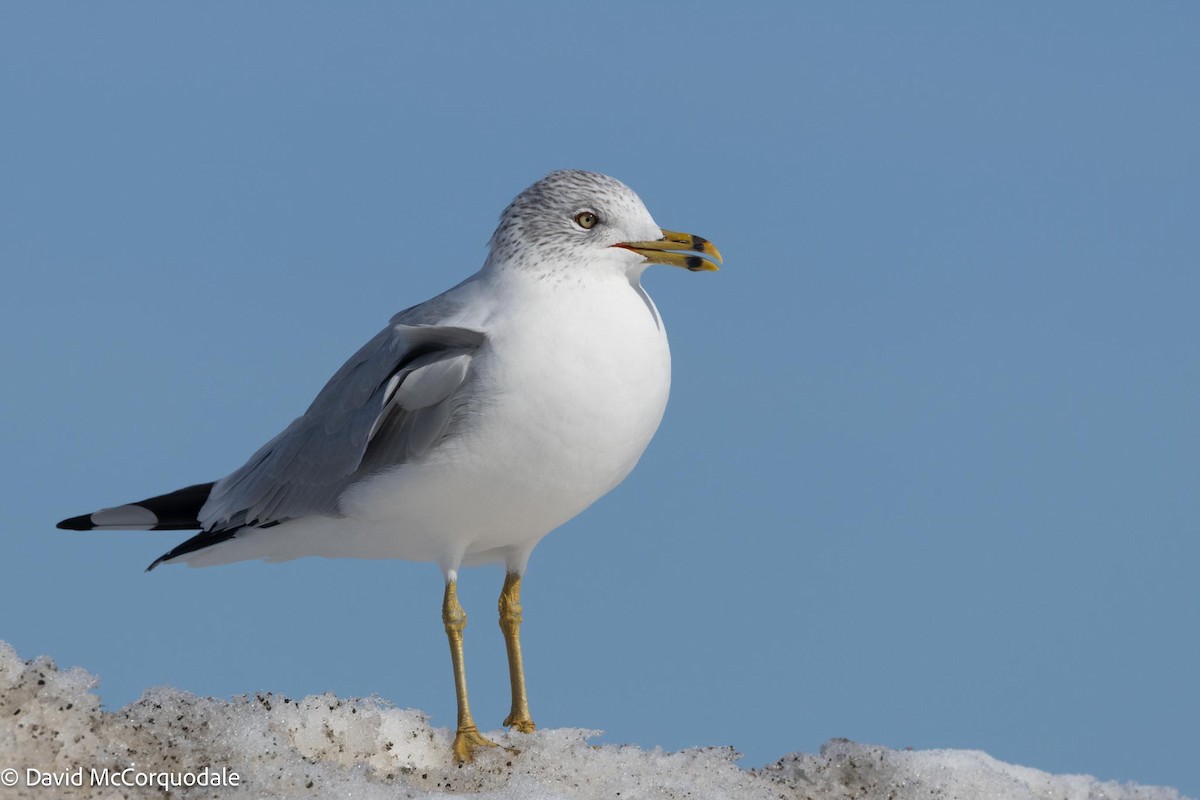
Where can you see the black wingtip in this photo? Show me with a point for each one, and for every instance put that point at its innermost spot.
(197, 542)
(83, 523)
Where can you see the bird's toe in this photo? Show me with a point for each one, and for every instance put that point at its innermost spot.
(521, 723)
(467, 741)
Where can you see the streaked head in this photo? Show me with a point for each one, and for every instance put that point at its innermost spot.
(572, 219)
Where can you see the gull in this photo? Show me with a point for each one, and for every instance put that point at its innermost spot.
(472, 425)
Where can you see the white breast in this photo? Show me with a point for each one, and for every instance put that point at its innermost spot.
(582, 386)
(567, 396)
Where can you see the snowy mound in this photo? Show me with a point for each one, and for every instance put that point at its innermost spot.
(54, 734)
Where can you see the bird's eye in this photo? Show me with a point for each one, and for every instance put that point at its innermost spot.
(586, 219)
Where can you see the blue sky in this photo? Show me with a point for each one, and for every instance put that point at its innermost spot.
(928, 474)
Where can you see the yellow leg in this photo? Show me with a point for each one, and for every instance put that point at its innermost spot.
(510, 624)
(468, 737)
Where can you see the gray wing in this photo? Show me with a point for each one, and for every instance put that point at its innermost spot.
(392, 402)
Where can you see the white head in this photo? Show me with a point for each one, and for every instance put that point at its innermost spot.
(572, 219)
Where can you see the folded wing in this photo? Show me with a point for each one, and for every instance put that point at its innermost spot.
(392, 402)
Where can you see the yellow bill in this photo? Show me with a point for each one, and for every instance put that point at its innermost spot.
(679, 250)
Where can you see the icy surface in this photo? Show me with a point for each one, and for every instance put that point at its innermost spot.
(53, 729)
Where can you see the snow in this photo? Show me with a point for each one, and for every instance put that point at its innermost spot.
(53, 732)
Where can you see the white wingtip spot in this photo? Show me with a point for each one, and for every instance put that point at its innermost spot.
(124, 517)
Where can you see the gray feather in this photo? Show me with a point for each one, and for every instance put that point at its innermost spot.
(391, 402)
